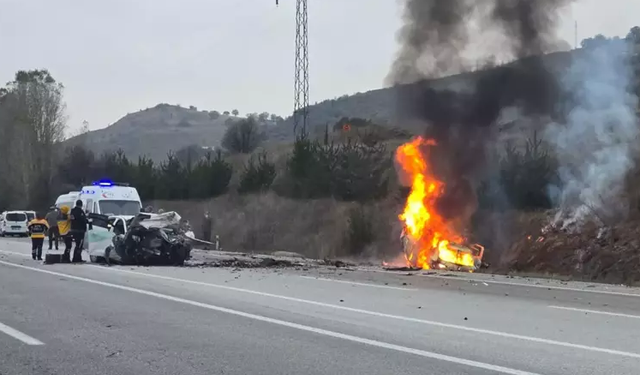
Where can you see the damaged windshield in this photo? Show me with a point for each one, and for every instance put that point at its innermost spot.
(114, 207)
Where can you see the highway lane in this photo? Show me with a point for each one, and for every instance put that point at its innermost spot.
(125, 320)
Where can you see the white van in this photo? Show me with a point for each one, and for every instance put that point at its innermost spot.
(68, 199)
(30, 215)
(109, 199)
(14, 223)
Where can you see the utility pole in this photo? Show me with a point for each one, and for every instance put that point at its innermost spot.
(575, 41)
(301, 71)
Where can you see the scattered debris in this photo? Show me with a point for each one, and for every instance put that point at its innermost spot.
(287, 254)
(404, 268)
(336, 263)
(238, 264)
(113, 354)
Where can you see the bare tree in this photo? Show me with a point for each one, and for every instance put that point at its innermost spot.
(33, 122)
(243, 136)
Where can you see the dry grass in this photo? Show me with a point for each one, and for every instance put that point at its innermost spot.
(267, 223)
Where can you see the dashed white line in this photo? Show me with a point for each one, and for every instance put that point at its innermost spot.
(358, 283)
(19, 335)
(596, 312)
(301, 327)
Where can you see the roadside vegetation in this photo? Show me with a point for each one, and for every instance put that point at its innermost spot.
(333, 192)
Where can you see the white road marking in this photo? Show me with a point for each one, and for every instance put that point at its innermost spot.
(361, 340)
(357, 283)
(524, 285)
(476, 280)
(596, 312)
(374, 313)
(19, 335)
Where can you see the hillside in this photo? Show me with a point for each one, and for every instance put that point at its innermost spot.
(379, 105)
(155, 131)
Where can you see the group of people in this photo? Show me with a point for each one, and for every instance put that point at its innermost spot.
(68, 225)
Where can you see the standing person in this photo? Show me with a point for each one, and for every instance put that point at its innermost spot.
(78, 230)
(38, 228)
(64, 228)
(206, 227)
(52, 220)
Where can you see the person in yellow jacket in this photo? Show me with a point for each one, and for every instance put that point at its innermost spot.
(38, 228)
(64, 227)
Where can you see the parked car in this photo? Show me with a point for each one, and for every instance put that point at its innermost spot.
(14, 223)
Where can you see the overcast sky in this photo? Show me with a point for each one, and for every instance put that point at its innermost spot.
(120, 56)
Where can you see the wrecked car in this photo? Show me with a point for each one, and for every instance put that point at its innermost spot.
(444, 255)
(144, 239)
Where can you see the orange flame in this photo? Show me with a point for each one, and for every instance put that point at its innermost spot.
(430, 236)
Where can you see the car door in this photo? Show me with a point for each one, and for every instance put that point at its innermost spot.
(99, 236)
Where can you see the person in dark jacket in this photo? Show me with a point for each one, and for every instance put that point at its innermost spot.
(54, 233)
(78, 230)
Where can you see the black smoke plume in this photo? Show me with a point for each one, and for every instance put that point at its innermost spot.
(436, 31)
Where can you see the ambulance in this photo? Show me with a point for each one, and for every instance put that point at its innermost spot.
(110, 199)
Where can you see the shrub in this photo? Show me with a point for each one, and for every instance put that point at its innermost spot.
(522, 180)
(359, 233)
(242, 136)
(258, 174)
(210, 177)
(359, 171)
(307, 173)
(352, 171)
(172, 179)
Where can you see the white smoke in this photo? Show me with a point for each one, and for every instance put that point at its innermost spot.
(595, 147)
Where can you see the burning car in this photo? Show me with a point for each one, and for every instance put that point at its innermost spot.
(429, 239)
(448, 256)
(145, 239)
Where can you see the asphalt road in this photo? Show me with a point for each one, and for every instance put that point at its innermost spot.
(87, 319)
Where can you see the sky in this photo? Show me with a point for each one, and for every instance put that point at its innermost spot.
(120, 56)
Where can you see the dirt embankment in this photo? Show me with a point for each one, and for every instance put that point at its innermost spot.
(524, 243)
